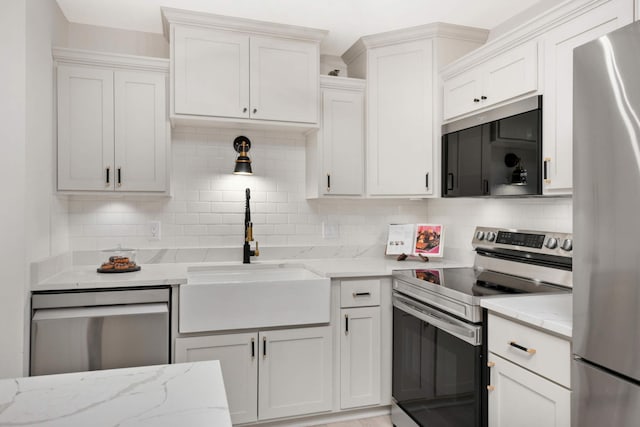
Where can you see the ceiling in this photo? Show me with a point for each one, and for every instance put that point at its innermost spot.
(346, 20)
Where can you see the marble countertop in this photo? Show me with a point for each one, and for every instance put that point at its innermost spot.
(188, 394)
(552, 312)
(86, 277)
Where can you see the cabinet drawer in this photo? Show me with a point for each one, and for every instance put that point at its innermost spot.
(548, 355)
(359, 293)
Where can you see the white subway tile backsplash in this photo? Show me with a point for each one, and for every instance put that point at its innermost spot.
(207, 204)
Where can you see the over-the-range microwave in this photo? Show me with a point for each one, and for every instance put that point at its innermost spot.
(494, 153)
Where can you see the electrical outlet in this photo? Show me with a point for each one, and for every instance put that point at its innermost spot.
(330, 230)
(154, 230)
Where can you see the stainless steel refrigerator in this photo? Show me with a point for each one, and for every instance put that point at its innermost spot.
(606, 215)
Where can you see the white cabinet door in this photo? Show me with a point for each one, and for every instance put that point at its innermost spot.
(524, 399)
(85, 128)
(211, 72)
(462, 93)
(360, 357)
(295, 372)
(400, 120)
(557, 119)
(238, 358)
(284, 80)
(343, 143)
(140, 131)
(510, 74)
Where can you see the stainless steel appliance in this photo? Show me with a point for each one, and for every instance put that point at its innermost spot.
(439, 329)
(494, 153)
(99, 329)
(606, 300)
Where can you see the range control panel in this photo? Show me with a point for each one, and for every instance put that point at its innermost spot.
(527, 240)
(534, 241)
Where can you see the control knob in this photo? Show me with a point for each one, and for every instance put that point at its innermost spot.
(552, 243)
(567, 245)
(491, 236)
(480, 235)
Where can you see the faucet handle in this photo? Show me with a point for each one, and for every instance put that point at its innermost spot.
(257, 251)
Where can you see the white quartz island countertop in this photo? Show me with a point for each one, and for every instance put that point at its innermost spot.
(552, 312)
(186, 395)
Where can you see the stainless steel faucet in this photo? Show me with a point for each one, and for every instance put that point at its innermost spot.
(247, 252)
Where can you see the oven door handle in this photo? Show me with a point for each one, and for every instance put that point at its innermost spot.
(440, 320)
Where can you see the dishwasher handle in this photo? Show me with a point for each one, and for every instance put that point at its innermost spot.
(99, 311)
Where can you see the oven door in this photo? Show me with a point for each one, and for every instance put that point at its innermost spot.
(437, 367)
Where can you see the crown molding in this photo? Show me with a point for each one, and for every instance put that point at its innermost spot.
(427, 31)
(344, 83)
(530, 30)
(113, 60)
(172, 16)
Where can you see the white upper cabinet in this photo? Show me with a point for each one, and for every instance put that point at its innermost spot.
(85, 128)
(403, 104)
(112, 123)
(335, 153)
(505, 76)
(211, 72)
(229, 70)
(140, 148)
(284, 80)
(557, 125)
(400, 122)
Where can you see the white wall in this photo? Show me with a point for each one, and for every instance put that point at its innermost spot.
(33, 221)
(91, 37)
(13, 266)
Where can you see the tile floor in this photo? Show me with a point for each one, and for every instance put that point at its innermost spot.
(383, 421)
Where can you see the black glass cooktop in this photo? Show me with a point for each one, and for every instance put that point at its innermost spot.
(472, 282)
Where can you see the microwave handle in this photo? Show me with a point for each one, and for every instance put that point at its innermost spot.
(449, 181)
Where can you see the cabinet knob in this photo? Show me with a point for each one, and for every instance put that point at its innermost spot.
(476, 100)
(255, 110)
(244, 110)
(483, 97)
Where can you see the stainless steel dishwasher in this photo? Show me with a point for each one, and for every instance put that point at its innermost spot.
(99, 329)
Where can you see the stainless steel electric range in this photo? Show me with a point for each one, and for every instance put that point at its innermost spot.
(439, 329)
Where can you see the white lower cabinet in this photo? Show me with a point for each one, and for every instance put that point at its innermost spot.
(237, 354)
(521, 398)
(529, 381)
(360, 357)
(268, 374)
(294, 374)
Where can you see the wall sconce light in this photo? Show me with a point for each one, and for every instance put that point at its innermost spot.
(243, 163)
(519, 174)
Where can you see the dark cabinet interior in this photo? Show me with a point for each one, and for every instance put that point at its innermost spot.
(499, 158)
